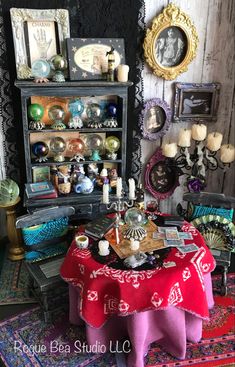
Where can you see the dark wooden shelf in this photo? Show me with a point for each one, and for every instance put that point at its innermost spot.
(50, 162)
(82, 130)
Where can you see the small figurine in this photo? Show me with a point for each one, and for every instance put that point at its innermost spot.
(63, 180)
(92, 170)
(112, 174)
(78, 173)
(111, 63)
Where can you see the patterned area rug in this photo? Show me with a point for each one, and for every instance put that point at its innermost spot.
(14, 282)
(26, 329)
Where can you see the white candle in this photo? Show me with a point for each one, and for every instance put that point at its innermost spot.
(169, 150)
(135, 245)
(122, 73)
(199, 132)
(184, 138)
(104, 172)
(105, 193)
(103, 248)
(119, 187)
(214, 141)
(227, 153)
(131, 188)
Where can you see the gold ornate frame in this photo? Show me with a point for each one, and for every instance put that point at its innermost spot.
(171, 16)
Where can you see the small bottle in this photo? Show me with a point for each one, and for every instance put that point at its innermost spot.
(139, 201)
(111, 63)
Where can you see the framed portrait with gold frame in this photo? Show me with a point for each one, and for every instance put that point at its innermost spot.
(171, 44)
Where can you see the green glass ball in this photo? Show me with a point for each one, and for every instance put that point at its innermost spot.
(9, 192)
(35, 111)
(112, 143)
(59, 62)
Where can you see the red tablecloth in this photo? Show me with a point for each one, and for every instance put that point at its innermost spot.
(105, 291)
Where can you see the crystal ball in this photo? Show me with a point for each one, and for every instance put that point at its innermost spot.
(94, 142)
(56, 113)
(112, 143)
(35, 111)
(76, 146)
(40, 149)
(57, 145)
(134, 217)
(9, 192)
(75, 107)
(40, 68)
(112, 109)
(58, 62)
(93, 110)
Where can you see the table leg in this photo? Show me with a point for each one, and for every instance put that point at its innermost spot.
(224, 288)
(45, 305)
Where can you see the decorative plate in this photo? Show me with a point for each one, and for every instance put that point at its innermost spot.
(217, 231)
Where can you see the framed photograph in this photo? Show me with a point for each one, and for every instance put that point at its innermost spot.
(88, 57)
(41, 174)
(155, 119)
(171, 44)
(161, 179)
(196, 102)
(38, 34)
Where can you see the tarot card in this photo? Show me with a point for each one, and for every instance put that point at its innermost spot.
(173, 243)
(185, 235)
(188, 248)
(172, 234)
(163, 229)
(158, 236)
(169, 264)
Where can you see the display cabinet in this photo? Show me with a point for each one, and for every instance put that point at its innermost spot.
(69, 125)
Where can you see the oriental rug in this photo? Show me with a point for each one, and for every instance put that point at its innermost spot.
(215, 349)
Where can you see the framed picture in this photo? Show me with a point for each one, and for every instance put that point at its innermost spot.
(41, 174)
(171, 44)
(155, 119)
(37, 34)
(161, 179)
(196, 102)
(88, 57)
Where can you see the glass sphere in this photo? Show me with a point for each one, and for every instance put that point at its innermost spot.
(134, 217)
(112, 109)
(76, 146)
(9, 192)
(40, 149)
(57, 145)
(112, 143)
(35, 111)
(75, 107)
(56, 113)
(59, 62)
(93, 111)
(95, 142)
(40, 68)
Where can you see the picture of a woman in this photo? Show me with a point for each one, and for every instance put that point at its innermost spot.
(170, 47)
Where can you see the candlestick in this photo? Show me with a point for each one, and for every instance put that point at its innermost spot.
(199, 132)
(131, 188)
(214, 141)
(184, 138)
(105, 193)
(119, 187)
(227, 153)
(169, 150)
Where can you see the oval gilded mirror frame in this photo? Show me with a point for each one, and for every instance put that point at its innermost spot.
(173, 18)
(155, 119)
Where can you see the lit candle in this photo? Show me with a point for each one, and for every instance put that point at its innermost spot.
(169, 150)
(199, 132)
(214, 141)
(122, 73)
(227, 153)
(119, 187)
(131, 188)
(106, 193)
(103, 248)
(134, 244)
(184, 138)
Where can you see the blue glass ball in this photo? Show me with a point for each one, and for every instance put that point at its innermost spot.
(76, 107)
(40, 149)
(112, 109)
(40, 68)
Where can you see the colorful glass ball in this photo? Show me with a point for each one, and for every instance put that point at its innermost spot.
(40, 149)
(35, 111)
(76, 107)
(40, 68)
(112, 143)
(112, 109)
(58, 62)
(76, 146)
(57, 145)
(56, 113)
(93, 110)
(95, 142)
(9, 192)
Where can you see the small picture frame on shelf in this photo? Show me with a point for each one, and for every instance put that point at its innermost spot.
(196, 101)
(41, 174)
(88, 57)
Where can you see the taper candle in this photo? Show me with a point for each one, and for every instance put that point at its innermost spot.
(131, 188)
(105, 193)
(119, 187)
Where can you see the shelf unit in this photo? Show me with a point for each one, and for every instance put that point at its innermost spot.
(68, 90)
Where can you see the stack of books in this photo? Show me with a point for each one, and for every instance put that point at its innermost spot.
(98, 227)
(40, 190)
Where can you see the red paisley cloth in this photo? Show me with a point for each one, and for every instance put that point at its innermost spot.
(105, 291)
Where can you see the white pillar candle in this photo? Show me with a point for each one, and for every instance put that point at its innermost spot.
(214, 141)
(199, 132)
(135, 245)
(131, 188)
(119, 187)
(105, 193)
(103, 248)
(122, 73)
(169, 150)
(227, 153)
(184, 140)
